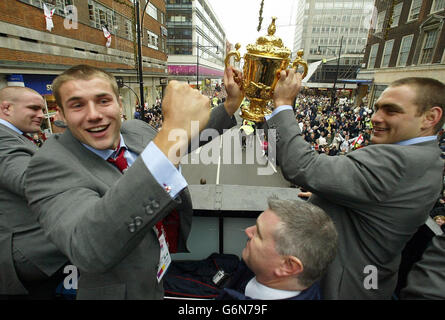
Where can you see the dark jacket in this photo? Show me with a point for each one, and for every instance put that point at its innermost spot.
(241, 277)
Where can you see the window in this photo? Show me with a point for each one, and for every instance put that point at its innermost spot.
(152, 11)
(128, 30)
(429, 42)
(396, 14)
(405, 47)
(380, 21)
(438, 5)
(60, 5)
(101, 16)
(415, 9)
(387, 53)
(373, 56)
(152, 40)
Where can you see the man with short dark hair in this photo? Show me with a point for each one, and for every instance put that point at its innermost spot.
(288, 251)
(27, 259)
(378, 196)
(113, 199)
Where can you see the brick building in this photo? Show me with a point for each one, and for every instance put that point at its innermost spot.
(407, 39)
(31, 55)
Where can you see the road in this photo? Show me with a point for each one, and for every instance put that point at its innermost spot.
(222, 161)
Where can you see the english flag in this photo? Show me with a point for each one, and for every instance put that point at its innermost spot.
(107, 35)
(48, 17)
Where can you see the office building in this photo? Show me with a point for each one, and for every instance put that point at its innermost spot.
(196, 42)
(408, 40)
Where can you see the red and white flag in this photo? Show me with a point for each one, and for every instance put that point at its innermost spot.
(107, 35)
(358, 141)
(48, 17)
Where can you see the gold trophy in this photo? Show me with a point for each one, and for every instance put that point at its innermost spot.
(263, 63)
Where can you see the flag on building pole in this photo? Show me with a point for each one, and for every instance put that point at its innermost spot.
(48, 17)
(107, 35)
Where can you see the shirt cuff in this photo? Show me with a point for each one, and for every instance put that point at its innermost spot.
(278, 109)
(164, 172)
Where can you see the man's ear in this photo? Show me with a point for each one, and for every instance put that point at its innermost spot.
(290, 266)
(5, 107)
(432, 117)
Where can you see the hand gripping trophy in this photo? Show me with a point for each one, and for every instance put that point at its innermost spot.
(263, 63)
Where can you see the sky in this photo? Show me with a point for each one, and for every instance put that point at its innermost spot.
(239, 19)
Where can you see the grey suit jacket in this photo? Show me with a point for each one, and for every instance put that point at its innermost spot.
(377, 197)
(426, 280)
(103, 220)
(19, 230)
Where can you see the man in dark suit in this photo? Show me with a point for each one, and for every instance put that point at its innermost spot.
(109, 218)
(378, 195)
(28, 261)
(288, 251)
(426, 280)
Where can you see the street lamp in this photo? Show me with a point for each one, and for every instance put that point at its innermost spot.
(139, 26)
(336, 71)
(198, 46)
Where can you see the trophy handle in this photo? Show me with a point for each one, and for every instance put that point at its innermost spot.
(233, 53)
(299, 61)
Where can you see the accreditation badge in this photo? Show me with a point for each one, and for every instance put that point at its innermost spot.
(165, 258)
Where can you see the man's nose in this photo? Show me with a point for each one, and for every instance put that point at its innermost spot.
(249, 231)
(93, 113)
(40, 113)
(376, 116)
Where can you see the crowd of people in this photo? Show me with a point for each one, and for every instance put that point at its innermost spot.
(333, 129)
(153, 116)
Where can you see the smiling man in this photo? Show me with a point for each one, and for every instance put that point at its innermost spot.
(28, 261)
(377, 196)
(109, 194)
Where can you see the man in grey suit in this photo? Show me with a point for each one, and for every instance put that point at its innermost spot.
(426, 280)
(28, 261)
(377, 196)
(106, 219)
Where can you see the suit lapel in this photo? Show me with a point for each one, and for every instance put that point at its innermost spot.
(134, 142)
(19, 136)
(91, 162)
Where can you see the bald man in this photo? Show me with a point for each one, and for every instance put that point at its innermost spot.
(30, 265)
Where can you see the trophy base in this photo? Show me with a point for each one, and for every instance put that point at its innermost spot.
(254, 112)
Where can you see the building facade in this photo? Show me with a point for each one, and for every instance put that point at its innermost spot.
(196, 42)
(32, 53)
(326, 27)
(407, 40)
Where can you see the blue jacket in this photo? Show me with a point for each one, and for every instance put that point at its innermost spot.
(241, 277)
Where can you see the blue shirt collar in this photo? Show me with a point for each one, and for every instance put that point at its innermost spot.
(105, 154)
(416, 140)
(10, 126)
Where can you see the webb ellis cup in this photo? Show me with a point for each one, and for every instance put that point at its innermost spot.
(263, 63)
